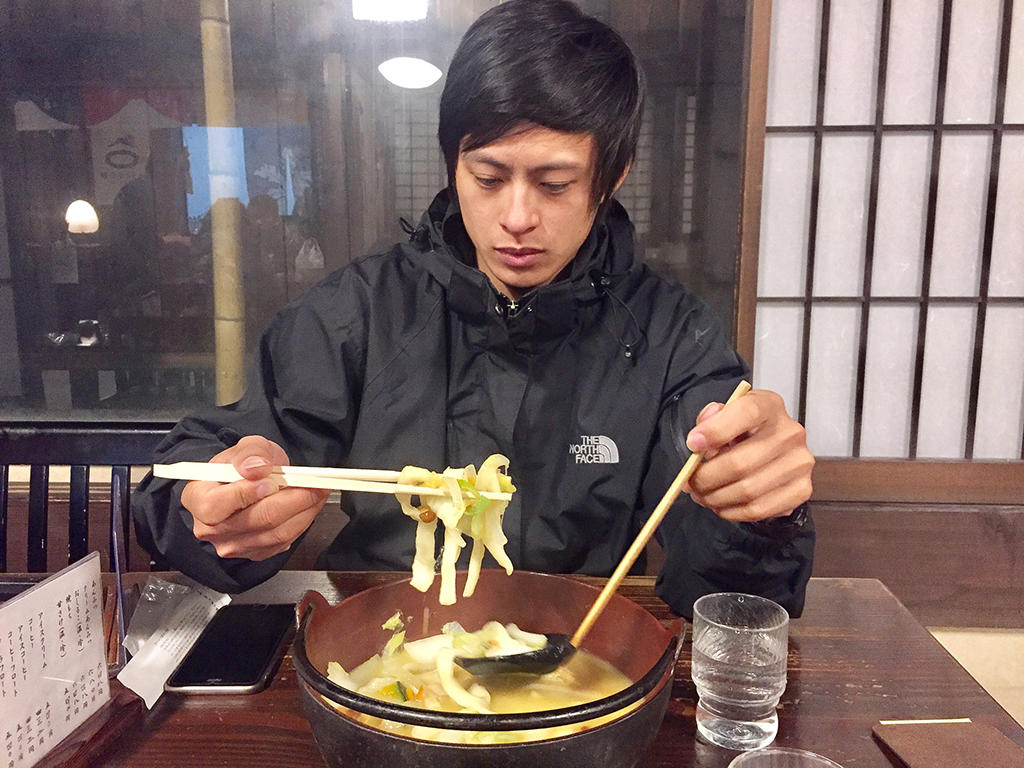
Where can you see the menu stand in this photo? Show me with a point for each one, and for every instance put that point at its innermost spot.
(86, 745)
(62, 629)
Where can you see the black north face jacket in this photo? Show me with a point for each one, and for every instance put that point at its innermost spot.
(589, 385)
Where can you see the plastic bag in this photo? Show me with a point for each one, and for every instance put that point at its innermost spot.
(158, 600)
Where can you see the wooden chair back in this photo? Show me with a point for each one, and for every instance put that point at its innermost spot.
(81, 447)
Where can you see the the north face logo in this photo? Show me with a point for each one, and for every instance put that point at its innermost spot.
(595, 449)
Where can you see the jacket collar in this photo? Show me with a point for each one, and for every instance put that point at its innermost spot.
(604, 259)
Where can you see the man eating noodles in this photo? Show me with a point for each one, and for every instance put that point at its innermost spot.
(517, 319)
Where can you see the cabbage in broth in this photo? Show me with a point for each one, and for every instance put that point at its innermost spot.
(422, 674)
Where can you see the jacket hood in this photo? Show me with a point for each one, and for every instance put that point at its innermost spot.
(604, 261)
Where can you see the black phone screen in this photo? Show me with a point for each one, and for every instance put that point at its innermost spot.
(239, 649)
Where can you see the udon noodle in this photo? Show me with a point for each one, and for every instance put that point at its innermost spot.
(422, 674)
(462, 510)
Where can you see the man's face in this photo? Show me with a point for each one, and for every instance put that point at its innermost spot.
(526, 203)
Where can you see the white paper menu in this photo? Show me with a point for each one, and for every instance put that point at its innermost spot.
(53, 664)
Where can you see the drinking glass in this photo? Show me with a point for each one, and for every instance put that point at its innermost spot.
(778, 757)
(739, 668)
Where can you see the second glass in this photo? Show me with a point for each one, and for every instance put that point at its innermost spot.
(740, 644)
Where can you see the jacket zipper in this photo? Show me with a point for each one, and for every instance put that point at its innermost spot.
(508, 308)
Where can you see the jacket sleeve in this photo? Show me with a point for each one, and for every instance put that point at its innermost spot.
(300, 394)
(703, 552)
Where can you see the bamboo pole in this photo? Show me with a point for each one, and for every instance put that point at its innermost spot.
(226, 209)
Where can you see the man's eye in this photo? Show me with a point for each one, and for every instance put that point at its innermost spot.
(487, 182)
(556, 187)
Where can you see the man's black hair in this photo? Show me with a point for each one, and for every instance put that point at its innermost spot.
(543, 62)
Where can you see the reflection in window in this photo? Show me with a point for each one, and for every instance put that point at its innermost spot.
(112, 106)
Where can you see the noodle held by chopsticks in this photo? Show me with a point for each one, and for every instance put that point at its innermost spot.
(462, 510)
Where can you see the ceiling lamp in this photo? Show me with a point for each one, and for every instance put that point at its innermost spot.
(409, 72)
(81, 218)
(389, 10)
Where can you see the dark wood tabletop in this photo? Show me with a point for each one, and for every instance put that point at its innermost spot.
(856, 656)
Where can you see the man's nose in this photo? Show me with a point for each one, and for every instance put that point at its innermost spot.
(520, 214)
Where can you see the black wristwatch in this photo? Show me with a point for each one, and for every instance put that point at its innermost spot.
(784, 528)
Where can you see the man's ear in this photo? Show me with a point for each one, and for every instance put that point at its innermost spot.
(618, 184)
(622, 178)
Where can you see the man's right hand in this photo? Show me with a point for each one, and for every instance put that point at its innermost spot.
(252, 517)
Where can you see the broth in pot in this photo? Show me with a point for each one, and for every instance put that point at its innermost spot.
(422, 674)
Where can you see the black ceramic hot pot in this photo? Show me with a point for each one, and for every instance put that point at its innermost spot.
(350, 632)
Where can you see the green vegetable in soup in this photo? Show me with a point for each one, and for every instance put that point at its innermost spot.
(422, 673)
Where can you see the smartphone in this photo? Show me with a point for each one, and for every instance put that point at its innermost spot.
(237, 652)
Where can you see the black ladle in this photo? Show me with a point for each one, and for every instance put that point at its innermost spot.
(559, 647)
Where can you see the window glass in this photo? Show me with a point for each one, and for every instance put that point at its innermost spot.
(230, 155)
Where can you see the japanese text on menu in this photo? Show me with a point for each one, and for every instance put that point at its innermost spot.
(53, 671)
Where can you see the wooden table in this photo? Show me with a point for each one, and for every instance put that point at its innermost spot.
(855, 657)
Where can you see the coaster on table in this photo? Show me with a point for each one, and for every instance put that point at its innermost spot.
(957, 743)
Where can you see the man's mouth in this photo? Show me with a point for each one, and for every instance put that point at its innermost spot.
(518, 252)
(520, 258)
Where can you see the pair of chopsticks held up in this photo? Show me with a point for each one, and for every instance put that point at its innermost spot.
(328, 478)
(377, 480)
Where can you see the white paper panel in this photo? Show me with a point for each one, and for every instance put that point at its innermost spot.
(10, 370)
(889, 381)
(1015, 74)
(57, 390)
(793, 62)
(785, 208)
(915, 27)
(831, 379)
(5, 259)
(960, 214)
(1000, 420)
(777, 348)
(1007, 275)
(973, 61)
(945, 386)
(842, 214)
(903, 177)
(852, 69)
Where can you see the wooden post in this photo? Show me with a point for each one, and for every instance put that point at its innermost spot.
(759, 15)
(225, 211)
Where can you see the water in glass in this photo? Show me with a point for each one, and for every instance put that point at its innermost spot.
(739, 672)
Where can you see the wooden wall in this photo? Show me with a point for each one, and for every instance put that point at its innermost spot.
(57, 529)
(950, 564)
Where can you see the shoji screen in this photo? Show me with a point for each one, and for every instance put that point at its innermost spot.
(890, 306)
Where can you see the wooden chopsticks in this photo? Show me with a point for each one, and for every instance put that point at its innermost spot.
(329, 478)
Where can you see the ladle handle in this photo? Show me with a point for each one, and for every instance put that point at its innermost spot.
(645, 533)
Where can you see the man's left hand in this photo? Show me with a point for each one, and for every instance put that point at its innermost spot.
(756, 462)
